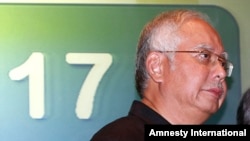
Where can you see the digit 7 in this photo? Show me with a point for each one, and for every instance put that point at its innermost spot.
(101, 63)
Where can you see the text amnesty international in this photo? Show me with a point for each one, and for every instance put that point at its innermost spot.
(197, 133)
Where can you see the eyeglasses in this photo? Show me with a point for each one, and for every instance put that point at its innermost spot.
(207, 57)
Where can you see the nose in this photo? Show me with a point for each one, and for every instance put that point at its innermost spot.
(219, 71)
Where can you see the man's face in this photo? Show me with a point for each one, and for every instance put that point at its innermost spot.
(194, 85)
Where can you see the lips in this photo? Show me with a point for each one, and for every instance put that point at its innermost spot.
(216, 92)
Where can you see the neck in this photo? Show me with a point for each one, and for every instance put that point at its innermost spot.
(176, 113)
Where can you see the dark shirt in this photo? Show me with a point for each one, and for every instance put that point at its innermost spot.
(130, 127)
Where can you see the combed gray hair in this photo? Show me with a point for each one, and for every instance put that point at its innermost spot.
(161, 34)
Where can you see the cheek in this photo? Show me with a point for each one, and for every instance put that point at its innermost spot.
(192, 75)
(191, 78)
(188, 82)
(224, 94)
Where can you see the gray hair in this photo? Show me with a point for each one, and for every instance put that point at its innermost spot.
(161, 34)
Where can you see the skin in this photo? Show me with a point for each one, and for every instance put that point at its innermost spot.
(191, 92)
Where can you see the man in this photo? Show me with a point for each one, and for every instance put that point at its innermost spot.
(180, 75)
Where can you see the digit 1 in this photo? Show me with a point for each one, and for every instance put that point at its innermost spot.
(33, 68)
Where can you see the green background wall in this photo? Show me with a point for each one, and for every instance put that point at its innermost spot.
(55, 30)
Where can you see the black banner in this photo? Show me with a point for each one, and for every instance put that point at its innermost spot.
(179, 132)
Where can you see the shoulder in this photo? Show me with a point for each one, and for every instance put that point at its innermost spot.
(121, 129)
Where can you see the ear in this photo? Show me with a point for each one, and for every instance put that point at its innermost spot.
(154, 65)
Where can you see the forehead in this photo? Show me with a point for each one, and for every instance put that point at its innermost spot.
(198, 33)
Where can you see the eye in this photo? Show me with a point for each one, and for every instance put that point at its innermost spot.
(223, 62)
(204, 56)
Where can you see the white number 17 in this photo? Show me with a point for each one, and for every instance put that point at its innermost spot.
(33, 68)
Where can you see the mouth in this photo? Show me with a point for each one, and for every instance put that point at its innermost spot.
(217, 92)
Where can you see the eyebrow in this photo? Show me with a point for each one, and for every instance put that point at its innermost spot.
(204, 46)
(225, 55)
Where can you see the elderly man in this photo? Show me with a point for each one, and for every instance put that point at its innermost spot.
(180, 76)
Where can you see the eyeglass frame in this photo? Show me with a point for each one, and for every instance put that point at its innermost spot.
(228, 69)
